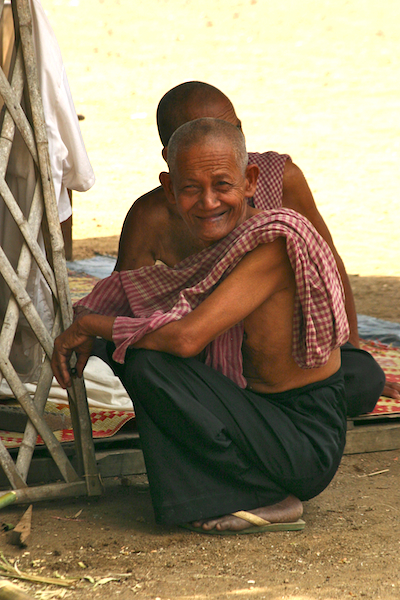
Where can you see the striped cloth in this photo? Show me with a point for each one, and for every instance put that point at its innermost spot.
(269, 189)
(156, 295)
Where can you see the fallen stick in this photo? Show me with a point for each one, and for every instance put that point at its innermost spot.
(8, 570)
(375, 473)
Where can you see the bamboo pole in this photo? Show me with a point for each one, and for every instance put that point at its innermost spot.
(88, 456)
(7, 499)
(11, 316)
(24, 228)
(52, 491)
(8, 127)
(10, 469)
(28, 444)
(57, 245)
(18, 115)
(79, 409)
(26, 304)
(27, 447)
(53, 445)
(10, 321)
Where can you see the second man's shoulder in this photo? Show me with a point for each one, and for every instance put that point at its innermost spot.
(155, 199)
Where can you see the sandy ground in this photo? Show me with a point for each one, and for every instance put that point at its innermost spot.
(320, 81)
(349, 548)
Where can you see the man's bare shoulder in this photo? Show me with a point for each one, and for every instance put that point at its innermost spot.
(144, 224)
(296, 191)
(298, 196)
(150, 206)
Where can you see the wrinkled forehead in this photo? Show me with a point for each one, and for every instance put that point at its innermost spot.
(210, 154)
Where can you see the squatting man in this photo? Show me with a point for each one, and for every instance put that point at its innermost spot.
(232, 356)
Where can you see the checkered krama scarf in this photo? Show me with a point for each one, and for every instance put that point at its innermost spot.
(144, 300)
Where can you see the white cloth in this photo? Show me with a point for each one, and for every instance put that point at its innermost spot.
(68, 157)
(103, 389)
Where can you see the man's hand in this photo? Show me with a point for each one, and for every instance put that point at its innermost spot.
(79, 338)
(72, 339)
(392, 390)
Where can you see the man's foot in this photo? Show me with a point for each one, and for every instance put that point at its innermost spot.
(288, 510)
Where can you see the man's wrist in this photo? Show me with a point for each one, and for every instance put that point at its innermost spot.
(85, 325)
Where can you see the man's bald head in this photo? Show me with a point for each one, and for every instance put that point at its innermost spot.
(189, 101)
(201, 131)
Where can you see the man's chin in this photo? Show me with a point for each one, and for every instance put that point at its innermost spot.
(210, 235)
(208, 240)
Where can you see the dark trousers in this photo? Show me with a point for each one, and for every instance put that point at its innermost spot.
(212, 448)
(364, 379)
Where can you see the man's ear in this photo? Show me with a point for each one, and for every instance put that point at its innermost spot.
(252, 172)
(166, 182)
(164, 153)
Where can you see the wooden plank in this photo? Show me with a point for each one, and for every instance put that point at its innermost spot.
(110, 463)
(120, 463)
(373, 438)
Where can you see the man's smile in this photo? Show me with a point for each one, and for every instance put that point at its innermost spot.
(211, 217)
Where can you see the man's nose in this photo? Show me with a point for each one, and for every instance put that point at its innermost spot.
(209, 199)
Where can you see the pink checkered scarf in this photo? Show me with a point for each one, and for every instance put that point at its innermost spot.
(269, 189)
(157, 295)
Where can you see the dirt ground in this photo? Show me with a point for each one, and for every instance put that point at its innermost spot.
(318, 80)
(349, 548)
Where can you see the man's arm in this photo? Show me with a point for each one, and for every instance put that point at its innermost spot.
(297, 196)
(265, 271)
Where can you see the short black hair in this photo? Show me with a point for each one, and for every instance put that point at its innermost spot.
(173, 108)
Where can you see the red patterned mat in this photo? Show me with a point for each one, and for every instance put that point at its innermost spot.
(105, 423)
(388, 358)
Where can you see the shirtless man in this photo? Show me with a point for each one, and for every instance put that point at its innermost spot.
(248, 449)
(153, 230)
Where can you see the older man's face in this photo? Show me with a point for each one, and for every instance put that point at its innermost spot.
(210, 190)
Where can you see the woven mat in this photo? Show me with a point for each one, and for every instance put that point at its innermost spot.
(388, 357)
(80, 284)
(105, 423)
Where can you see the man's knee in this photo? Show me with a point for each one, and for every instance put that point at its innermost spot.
(364, 380)
(143, 365)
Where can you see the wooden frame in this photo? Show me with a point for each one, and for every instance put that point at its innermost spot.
(23, 113)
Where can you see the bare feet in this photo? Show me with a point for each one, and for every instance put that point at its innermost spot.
(287, 511)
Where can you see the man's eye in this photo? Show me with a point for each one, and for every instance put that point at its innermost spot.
(223, 184)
